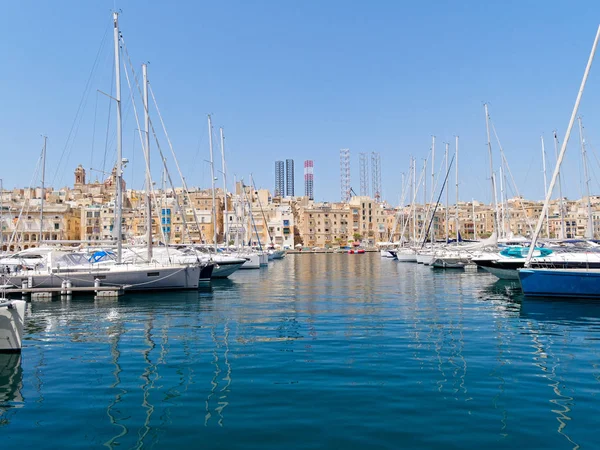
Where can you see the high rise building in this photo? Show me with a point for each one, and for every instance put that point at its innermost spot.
(289, 177)
(308, 179)
(279, 179)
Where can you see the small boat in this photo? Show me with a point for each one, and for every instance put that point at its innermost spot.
(12, 318)
(356, 251)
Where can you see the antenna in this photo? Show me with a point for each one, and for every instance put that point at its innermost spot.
(376, 175)
(345, 174)
(364, 174)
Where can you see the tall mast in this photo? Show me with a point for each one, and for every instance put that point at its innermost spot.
(212, 183)
(447, 193)
(489, 145)
(224, 170)
(119, 193)
(474, 224)
(456, 209)
(147, 157)
(563, 149)
(502, 210)
(545, 185)
(563, 233)
(163, 201)
(589, 232)
(424, 184)
(43, 190)
(402, 221)
(432, 183)
(414, 196)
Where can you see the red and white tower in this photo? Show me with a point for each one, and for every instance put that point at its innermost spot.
(309, 179)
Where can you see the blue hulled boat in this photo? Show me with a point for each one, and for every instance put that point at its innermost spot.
(578, 283)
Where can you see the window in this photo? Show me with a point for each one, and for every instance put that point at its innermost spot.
(57, 226)
(153, 274)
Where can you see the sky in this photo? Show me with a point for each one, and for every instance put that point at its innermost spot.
(302, 80)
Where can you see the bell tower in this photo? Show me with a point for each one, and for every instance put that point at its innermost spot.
(79, 176)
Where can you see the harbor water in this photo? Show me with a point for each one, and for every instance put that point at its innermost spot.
(317, 351)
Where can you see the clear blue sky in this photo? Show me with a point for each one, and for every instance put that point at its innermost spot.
(301, 80)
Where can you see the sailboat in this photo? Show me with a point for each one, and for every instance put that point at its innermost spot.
(578, 283)
(59, 266)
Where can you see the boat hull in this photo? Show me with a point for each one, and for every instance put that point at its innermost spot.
(389, 254)
(450, 263)
(425, 259)
(502, 274)
(206, 273)
(12, 319)
(224, 269)
(560, 283)
(252, 262)
(264, 259)
(406, 257)
(139, 279)
(279, 254)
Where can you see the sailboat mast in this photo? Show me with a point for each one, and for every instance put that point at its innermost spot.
(545, 185)
(456, 209)
(432, 182)
(119, 188)
(224, 170)
(147, 157)
(402, 221)
(502, 210)
(163, 215)
(589, 232)
(447, 194)
(43, 190)
(489, 145)
(474, 224)
(563, 233)
(414, 196)
(212, 182)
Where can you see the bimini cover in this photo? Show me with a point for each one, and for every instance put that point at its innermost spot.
(100, 255)
(521, 252)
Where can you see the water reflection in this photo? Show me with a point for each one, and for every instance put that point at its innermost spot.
(115, 331)
(308, 343)
(11, 386)
(564, 312)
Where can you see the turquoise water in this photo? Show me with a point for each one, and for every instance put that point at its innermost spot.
(318, 351)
